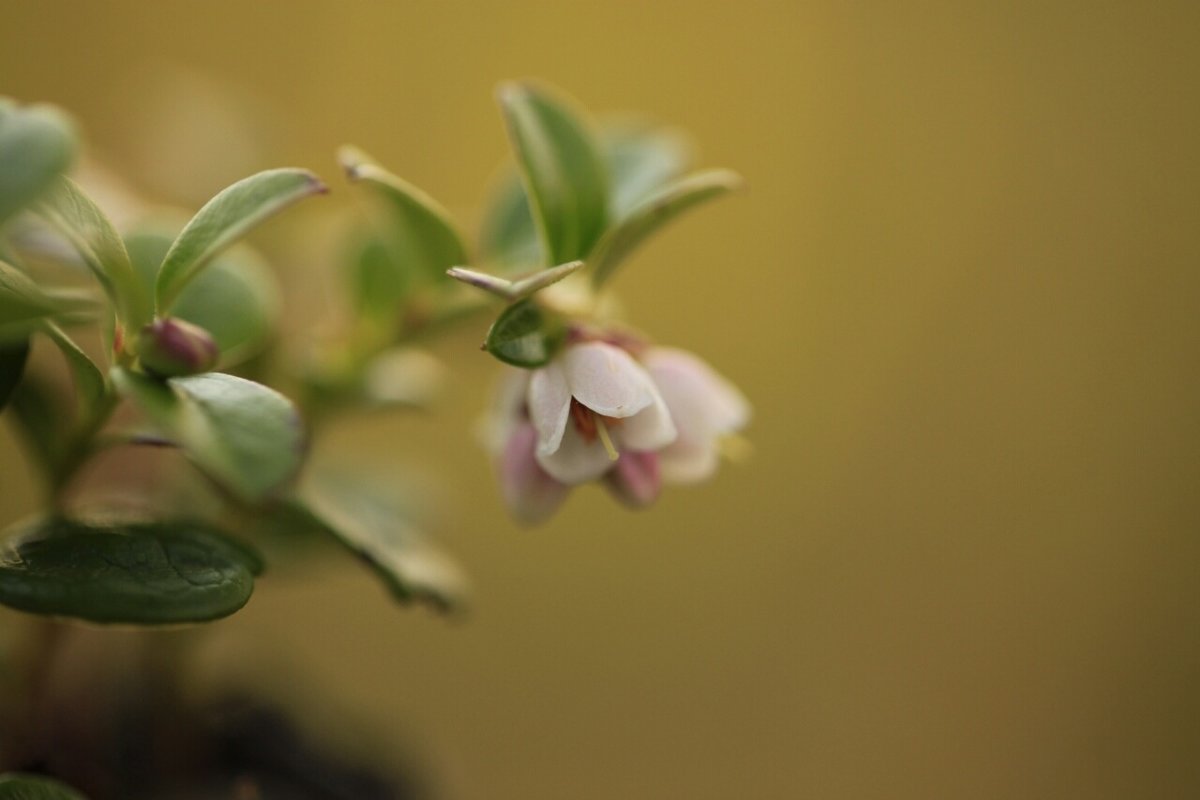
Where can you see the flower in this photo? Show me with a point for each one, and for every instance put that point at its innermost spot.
(630, 415)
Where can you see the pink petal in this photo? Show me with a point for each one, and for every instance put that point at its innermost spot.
(607, 380)
(703, 404)
(531, 494)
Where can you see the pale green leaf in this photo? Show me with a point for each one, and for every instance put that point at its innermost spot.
(81, 222)
(655, 212)
(89, 380)
(421, 234)
(225, 219)
(22, 300)
(37, 144)
(246, 437)
(563, 172)
(236, 299)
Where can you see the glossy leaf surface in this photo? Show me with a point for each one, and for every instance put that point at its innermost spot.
(140, 574)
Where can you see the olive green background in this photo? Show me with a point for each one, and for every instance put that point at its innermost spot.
(960, 289)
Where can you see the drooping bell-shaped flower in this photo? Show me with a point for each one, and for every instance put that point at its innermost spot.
(598, 412)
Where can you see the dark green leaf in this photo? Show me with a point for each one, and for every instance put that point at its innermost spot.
(18, 786)
(83, 224)
(654, 213)
(13, 355)
(524, 335)
(246, 437)
(142, 574)
(641, 161)
(562, 169)
(424, 238)
(372, 524)
(37, 144)
(236, 299)
(225, 219)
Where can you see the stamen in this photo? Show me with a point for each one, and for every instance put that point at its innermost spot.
(606, 439)
(735, 448)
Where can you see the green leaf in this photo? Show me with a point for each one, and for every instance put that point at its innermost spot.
(83, 224)
(19, 786)
(563, 173)
(13, 355)
(425, 239)
(236, 299)
(89, 380)
(525, 335)
(370, 522)
(655, 212)
(509, 238)
(37, 144)
(225, 219)
(641, 161)
(141, 574)
(21, 300)
(378, 279)
(244, 436)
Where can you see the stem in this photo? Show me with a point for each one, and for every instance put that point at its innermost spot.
(81, 447)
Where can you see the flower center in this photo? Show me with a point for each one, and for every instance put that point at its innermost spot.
(593, 426)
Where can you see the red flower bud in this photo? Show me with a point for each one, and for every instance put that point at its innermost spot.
(172, 347)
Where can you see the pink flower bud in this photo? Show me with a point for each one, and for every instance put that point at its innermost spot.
(172, 347)
(635, 479)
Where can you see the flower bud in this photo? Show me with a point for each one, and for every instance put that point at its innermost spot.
(172, 347)
(635, 479)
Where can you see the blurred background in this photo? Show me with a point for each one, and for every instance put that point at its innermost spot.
(961, 291)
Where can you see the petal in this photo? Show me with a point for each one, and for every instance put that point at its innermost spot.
(575, 461)
(635, 480)
(549, 400)
(507, 408)
(607, 380)
(703, 404)
(688, 461)
(649, 429)
(530, 493)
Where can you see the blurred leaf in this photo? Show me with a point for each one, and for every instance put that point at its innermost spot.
(21, 299)
(246, 437)
(524, 335)
(421, 234)
(13, 356)
(236, 299)
(83, 224)
(42, 421)
(653, 214)
(89, 380)
(225, 219)
(37, 144)
(370, 523)
(642, 160)
(18, 786)
(509, 238)
(141, 574)
(563, 172)
(378, 280)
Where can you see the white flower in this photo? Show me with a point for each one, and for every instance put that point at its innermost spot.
(596, 412)
(705, 408)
